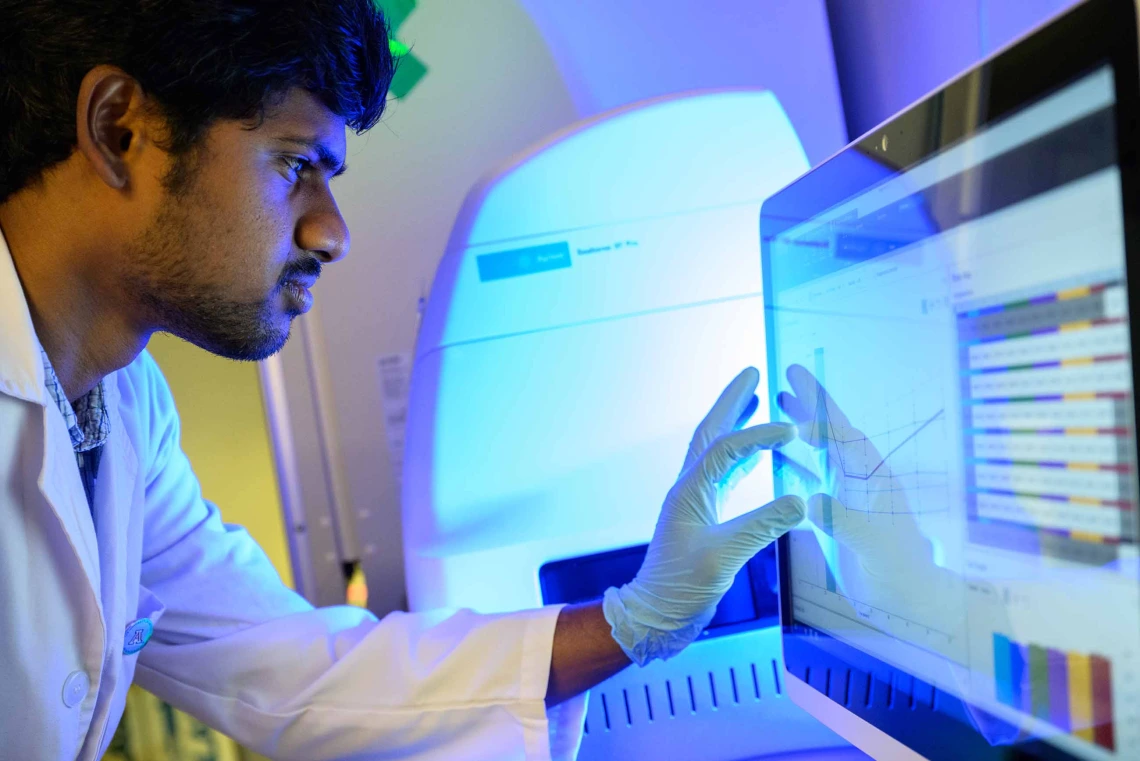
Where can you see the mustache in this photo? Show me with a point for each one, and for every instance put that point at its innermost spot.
(305, 267)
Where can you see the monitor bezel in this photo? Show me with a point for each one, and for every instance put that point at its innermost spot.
(1058, 52)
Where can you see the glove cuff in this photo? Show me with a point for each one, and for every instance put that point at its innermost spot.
(643, 642)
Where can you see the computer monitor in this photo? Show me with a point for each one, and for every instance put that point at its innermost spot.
(947, 321)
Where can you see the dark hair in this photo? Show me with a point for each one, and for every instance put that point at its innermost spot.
(198, 60)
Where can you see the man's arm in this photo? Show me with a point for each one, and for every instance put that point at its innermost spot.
(236, 648)
(250, 657)
(584, 654)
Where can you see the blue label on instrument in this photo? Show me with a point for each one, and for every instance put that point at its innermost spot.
(523, 261)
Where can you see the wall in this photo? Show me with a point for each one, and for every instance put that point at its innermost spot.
(613, 53)
(225, 437)
(890, 53)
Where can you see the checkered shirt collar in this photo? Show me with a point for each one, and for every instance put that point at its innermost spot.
(87, 420)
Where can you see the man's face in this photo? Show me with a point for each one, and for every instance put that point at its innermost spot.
(241, 231)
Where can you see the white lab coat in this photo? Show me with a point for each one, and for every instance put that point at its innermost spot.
(232, 645)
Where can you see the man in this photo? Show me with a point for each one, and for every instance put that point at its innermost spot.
(165, 166)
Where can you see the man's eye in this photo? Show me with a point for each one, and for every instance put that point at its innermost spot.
(298, 166)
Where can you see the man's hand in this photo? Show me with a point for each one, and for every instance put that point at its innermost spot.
(693, 557)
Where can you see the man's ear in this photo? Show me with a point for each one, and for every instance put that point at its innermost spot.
(109, 122)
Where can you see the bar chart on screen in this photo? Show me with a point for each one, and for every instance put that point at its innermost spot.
(1071, 691)
(1054, 644)
(1047, 422)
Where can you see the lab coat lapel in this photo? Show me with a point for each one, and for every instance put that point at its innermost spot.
(59, 483)
(118, 504)
(22, 376)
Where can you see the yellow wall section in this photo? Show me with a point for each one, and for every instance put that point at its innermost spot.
(225, 435)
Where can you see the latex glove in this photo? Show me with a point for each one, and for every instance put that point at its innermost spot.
(693, 557)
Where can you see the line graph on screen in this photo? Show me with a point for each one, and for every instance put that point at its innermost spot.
(911, 476)
(887, 456)
(900, 468)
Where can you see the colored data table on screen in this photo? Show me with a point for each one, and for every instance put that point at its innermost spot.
(1046, 384)
(1072, 691)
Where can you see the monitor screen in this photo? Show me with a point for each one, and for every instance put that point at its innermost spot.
(952, 339)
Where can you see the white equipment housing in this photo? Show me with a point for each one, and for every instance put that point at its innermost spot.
(596, 295)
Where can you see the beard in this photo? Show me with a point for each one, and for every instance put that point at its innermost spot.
(168, 277)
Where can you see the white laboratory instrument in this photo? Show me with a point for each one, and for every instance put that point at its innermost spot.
(596, 295)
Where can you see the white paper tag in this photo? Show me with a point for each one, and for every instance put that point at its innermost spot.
(395, 385)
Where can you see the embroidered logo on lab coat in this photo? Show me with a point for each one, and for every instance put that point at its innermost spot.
(138, 634)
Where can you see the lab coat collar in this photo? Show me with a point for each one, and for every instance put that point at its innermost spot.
(21, 366)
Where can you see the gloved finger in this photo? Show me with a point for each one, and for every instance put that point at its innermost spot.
(821, 507)
(749, 411)
(741, 470)
(853, 530)
(796, 477)
(829, 515)
(730, 407)
(996, 731)
(813, 409)
(731, 450)
(745, 535)
(792, 407)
